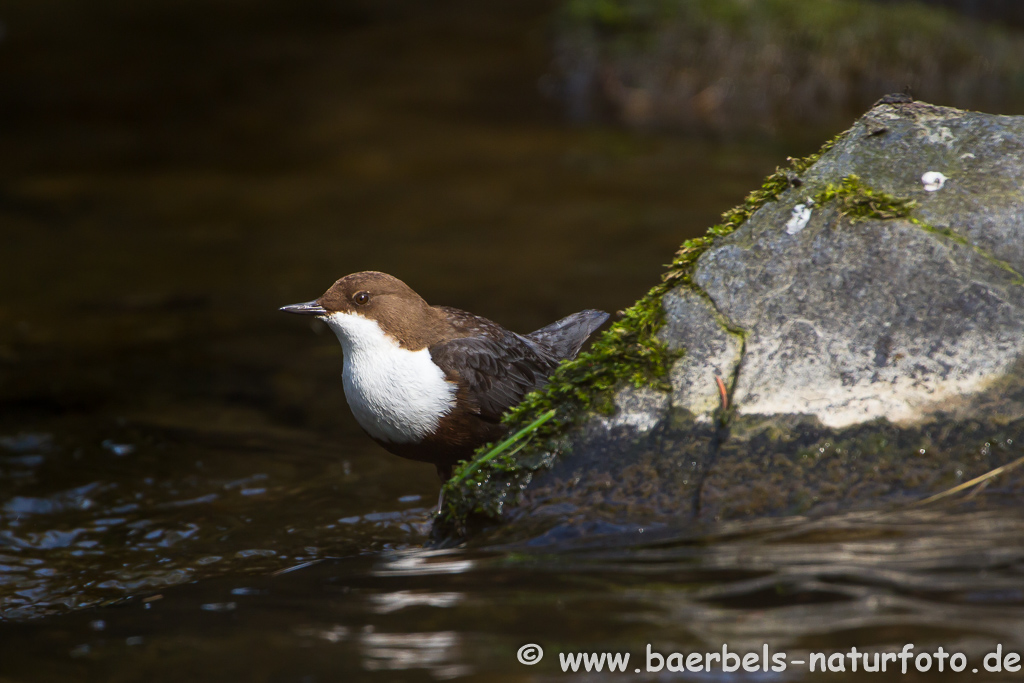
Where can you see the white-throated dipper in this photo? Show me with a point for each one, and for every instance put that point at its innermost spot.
(430, 383)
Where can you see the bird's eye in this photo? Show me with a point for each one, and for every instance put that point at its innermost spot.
(361, 298)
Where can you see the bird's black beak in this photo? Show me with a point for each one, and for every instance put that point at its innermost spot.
(308, 308)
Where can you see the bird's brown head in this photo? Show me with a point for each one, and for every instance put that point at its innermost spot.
(392, 304)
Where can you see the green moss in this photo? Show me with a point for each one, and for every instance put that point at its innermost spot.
(859, 202)
(629, 352)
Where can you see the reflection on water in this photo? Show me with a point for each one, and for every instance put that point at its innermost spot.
(434, 652)
(420, 562)
(390, 602)
(871, 581)
(127, 531)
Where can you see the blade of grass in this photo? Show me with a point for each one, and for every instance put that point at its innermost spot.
(504, 445)
(968, 484)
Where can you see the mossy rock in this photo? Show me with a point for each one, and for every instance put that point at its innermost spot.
(852, 337)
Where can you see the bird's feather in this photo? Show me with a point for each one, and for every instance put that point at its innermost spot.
(495, 372)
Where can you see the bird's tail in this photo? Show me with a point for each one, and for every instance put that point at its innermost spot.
(565, 337)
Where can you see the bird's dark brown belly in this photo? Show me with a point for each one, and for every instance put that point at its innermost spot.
(457, 435)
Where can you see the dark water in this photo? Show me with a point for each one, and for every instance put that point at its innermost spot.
(170, 445)
(871, 582)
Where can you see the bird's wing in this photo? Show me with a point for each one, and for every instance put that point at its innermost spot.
(495, 372)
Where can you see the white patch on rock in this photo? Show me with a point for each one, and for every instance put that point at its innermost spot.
(396, 395)
(933, 181)
(639, 409)
(941, 135)
(904, 402)
(799, 219)
(905, 392)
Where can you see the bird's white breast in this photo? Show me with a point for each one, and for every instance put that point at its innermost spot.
(397, 395)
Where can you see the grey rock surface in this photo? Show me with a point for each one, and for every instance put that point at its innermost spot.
(854, 322)
(694, 326)
(869, 360)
